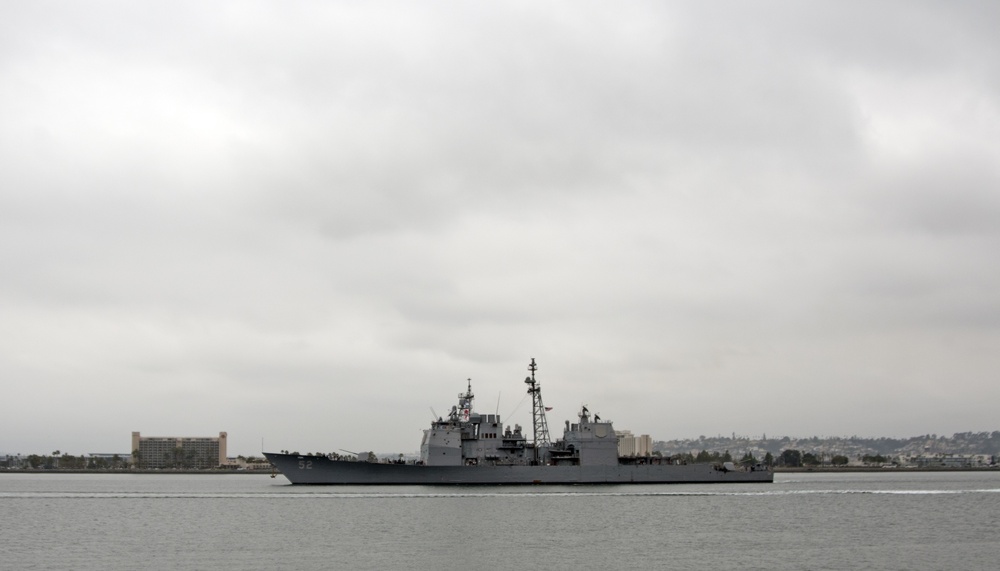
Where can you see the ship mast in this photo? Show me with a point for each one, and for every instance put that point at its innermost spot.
(541, 426)
(465, 404)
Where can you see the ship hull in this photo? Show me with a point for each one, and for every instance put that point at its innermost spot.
(320, 470)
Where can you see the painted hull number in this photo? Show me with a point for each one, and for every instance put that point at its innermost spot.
(305, 464)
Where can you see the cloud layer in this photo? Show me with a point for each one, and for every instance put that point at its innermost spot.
(311, 223)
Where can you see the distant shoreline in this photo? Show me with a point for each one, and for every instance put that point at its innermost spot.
(777, 470)
(141, 472)
(845, 469)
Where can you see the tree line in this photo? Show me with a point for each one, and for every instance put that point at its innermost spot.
(66, 461)
(788, 458)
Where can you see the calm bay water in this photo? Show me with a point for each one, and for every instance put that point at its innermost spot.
(802, 521)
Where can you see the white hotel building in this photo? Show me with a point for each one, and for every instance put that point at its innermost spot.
(630, 446)
(199, 452)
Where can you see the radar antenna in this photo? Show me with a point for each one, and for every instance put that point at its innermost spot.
(541, 428)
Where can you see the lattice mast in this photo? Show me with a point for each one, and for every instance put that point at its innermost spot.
(541, 426)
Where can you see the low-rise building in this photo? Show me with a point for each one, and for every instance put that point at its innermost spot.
(12, 461)
(953, 460)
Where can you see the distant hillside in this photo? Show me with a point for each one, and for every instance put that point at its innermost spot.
(853, 446)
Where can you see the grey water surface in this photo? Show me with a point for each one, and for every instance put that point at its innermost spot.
(920, 520)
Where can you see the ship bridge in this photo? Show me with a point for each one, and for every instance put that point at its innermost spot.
(470, 438)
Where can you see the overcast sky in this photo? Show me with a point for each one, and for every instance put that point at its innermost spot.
(308, 223)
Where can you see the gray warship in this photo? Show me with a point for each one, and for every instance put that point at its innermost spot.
(471, 448)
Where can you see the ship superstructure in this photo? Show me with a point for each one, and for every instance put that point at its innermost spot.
(470, 439)
(472, 448)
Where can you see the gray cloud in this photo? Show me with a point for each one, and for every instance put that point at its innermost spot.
(288, 221)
